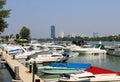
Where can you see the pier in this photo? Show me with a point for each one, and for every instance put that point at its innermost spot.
(22, 72)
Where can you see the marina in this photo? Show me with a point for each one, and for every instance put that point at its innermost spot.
(100, 60)
(59, 41)
(104, 61)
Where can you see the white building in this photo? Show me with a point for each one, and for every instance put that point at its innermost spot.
(62, 35)
(73, 35)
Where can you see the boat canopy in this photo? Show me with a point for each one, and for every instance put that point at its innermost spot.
(72, 65)
(101, 46)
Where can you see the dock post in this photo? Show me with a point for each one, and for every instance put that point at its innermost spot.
(1, 54)
(30, 67)
(13, 56)
(33, 77)
(17, 73)
(37, 80)
(34, 71)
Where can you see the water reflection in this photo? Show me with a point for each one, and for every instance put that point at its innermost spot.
(101, 60)
(113, 62)
(4, 74)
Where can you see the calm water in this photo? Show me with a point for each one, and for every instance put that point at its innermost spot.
(4, 74)
(105, 61)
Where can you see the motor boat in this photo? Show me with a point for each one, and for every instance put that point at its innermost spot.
(93, 74)
(95, 49)
(115, 50)
(82, 66)
(89, 77)
(58, 70)
(49, 57)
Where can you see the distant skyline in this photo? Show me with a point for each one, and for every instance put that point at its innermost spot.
(68, 16)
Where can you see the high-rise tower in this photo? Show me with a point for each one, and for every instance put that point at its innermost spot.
(52, 31)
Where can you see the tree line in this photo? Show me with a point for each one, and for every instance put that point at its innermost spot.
(104, 38)
(25, 31)
(4, 13)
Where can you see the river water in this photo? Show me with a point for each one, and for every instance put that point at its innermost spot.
(4, 74)
(101, 60)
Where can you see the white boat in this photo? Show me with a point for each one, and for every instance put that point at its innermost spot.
(54, 47)
(58, 70)
(12, 49)
(72, 47)
(51, 45)
(76, 77)
(115, 51)
(90, 77)
(18, 51)
(48, 57)
(73, 79)
(105, 77)
(35, 45)
(57, 50)
(95, 74)
(95, 49)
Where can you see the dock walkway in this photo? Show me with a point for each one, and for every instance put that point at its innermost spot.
(24, 75)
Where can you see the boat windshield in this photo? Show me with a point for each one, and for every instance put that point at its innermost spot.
(96, 45)
(99, 46)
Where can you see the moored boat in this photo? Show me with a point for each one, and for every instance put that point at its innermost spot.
(72, 65)
(95, 49)
(64, 68)
(49, 57)
(95, 74)
(91, 78)
(58, 70)
(115, 50)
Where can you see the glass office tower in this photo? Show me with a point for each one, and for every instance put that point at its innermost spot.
(52, 31)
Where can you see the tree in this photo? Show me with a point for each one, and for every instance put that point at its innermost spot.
(17, 36)
(25, 33)
(3, 14)
(7, 38)
(11, 36)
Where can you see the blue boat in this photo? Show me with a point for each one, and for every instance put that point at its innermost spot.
(58, 70)
(61, 68)
(72, 65)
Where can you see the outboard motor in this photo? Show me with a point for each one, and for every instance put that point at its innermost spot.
(65, 57)
(28, 58)
(65, 75)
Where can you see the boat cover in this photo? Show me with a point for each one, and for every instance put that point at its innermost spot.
(72, 65)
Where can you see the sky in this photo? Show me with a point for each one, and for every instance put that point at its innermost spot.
(68, 16)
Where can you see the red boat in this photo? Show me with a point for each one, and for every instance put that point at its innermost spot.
(99, 70)
(93, 74)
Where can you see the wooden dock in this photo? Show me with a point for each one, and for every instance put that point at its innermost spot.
(24, 74)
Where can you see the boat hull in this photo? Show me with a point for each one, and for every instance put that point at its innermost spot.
(57, 70)
(115, 50)
(113, 53)
(74, 80)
